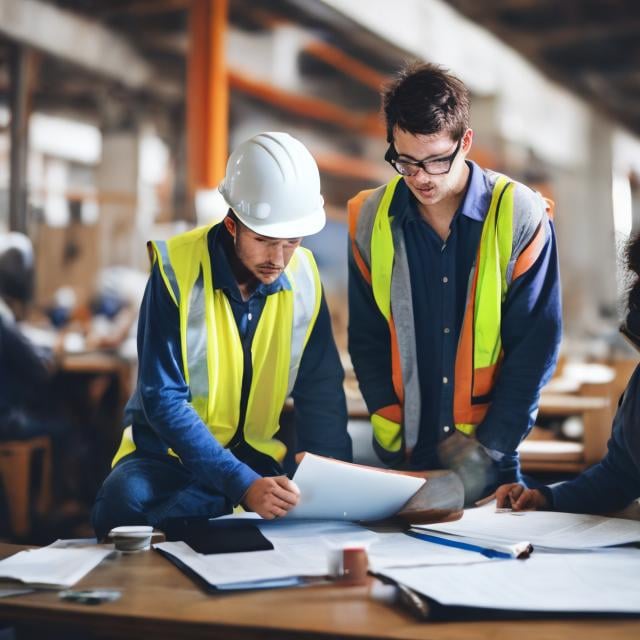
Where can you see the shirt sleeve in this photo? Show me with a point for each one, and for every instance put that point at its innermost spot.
(320, 409)
(531, 333)
(166, 398)
(369, 343)
(27, 361)
(608, 486)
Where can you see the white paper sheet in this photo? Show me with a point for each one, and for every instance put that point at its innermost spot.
(602, 581)
(304, 547)
(400, 550)
(335, 490)
(51, 568)
(545, 529)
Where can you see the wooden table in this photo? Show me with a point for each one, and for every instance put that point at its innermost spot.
(158, 602)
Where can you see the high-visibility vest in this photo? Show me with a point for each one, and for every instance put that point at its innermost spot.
(379, 252)
(212, 355)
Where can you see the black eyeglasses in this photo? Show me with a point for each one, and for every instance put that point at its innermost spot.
(411, 167)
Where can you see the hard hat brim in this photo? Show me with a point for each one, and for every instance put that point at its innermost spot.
(307, 226)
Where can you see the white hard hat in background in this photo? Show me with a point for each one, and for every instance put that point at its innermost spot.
(273, 186)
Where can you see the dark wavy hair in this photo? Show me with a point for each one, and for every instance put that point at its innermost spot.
(425, 98)
(631, 325)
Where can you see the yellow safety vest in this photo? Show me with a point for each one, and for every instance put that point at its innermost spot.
(212, 356)
(480, 346)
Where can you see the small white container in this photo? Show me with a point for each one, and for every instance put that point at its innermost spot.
(131, 538)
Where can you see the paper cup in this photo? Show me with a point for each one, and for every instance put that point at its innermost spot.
(131, 538)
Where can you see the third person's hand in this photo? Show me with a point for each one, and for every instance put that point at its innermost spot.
(517, 497)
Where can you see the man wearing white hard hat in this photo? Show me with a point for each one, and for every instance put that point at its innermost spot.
(233, 322)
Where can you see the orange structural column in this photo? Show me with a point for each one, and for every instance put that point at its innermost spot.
(207, 94)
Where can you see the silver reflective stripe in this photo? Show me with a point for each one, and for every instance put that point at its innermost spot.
(304, 291)
(364, 226)
(529, 211)
(197, 341)
(168, 268)
(402, 312)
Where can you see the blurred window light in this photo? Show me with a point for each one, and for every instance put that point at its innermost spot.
(154, 159)
(5, 117)
(64, 138)
(622, 205)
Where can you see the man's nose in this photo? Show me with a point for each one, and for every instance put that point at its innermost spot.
(276, 255)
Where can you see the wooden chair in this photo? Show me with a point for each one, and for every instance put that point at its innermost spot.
(16, 461)
(594, 406)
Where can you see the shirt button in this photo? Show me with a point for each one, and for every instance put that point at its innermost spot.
(446, 329)
(249, 316)
(445, 279)
(445, 379)
(446, 428)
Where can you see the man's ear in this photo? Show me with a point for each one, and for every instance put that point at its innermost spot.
(467, 140)
(230, 225)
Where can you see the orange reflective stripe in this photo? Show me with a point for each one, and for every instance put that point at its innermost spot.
(484, 379)
(396, 364)
(391, 412)
(353, 207)
(464, 363)
(528, 257)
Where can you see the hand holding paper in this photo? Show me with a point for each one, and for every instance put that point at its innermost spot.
(272, 497)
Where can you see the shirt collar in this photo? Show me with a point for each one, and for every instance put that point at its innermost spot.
(223, 278)
(475, 203)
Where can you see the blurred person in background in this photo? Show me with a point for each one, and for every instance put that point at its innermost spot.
(232, 322)
(25, 368)
(29, 406)
(614, 483)
(454, 294)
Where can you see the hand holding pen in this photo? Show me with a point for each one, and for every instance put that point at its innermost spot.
(517, 497)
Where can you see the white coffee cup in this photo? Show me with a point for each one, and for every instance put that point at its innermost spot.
(131, 538)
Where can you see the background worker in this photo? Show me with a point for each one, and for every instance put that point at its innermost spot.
(613, 483)
(232, 322)
(454, 295)
(29, 406)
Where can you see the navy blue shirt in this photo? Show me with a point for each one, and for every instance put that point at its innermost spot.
(614, 482)
(160, 409)
(24, 370)
(439, 272)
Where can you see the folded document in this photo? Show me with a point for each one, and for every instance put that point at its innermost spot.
(52, 568)
(335, 490)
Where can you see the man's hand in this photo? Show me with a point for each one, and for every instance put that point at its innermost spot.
(468, 458)
(517, 497)
(272, 497)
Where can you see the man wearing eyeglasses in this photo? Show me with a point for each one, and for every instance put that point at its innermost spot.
(454, 294)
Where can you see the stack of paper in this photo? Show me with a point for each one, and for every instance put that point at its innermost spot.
(51, 568)
(607, 581)
(301, 550)
(544, 529)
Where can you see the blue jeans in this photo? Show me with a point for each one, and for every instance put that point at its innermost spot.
(148, 490)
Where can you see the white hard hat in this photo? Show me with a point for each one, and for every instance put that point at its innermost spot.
(273, 186)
